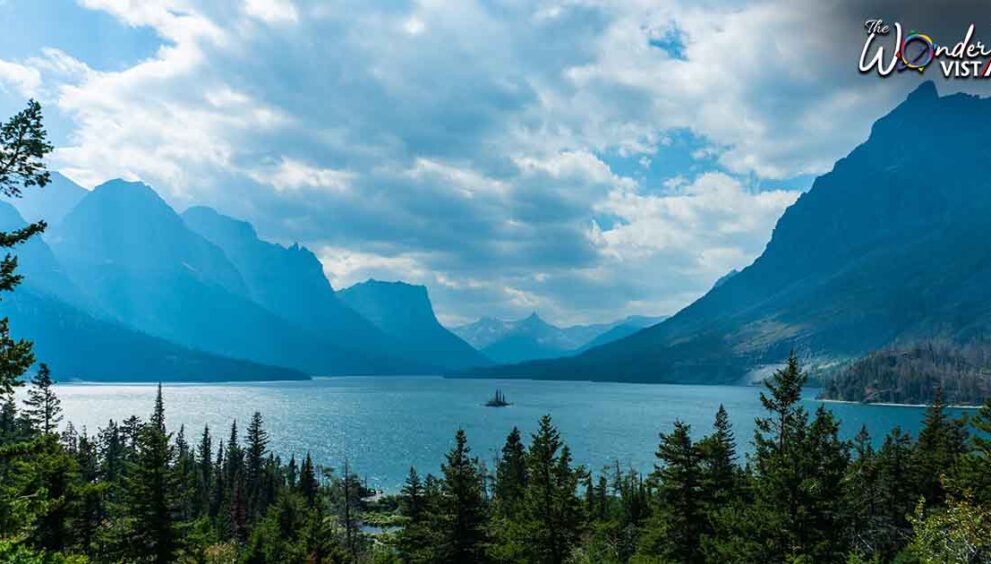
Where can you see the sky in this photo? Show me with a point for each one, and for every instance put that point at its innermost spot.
(583, 159)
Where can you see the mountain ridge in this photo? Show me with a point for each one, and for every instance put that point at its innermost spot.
(533, 338)
(850, 267)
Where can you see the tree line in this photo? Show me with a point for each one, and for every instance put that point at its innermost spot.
(136, 491)
(911, 374)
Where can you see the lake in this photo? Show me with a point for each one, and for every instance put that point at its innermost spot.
(384, 425)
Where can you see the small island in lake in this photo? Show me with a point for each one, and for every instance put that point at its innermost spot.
(498, 400)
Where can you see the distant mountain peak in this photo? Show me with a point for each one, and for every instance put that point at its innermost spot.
(924, 92)
(889, 246)
(119, 185)
(51, 202)
(532, 320)
(404, 311)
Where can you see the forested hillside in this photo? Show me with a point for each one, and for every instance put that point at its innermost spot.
(911, 374)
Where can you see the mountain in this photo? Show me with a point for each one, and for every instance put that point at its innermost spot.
(287, 281)
(533, 338)
(622, 329)
(79, 346)
(35, 261)
(140, 265)
(893, 245)
(404, 312)
(50, 203)
(516, 341)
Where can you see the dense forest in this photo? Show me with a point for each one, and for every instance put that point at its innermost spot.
(912, 374)
(138, 491)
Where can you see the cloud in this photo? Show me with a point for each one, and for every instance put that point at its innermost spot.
(272, 11)
(709, 226)
(479, 148)
(291, 174)
(23, 79)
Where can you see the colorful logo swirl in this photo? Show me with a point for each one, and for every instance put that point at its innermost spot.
(916, 52)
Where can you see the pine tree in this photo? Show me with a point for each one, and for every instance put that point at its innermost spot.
(863, 495)
(942, 441)
(349, 493)
(675, 530)
(204, 465)
(720, 476)
(974, 467)
(464, 520)
(152, 493)
(292, 472)
(43, 406)
(827, 458)
(219, 487)
(308, 481)
(553, 513)
(511, 475)
(411, 502)
(785, 513)
(158, 415)
(16, 356)
(23, 146)
(187, 476)
(255, 453)
(416, 539)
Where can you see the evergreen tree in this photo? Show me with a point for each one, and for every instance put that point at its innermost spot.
(219, 486)
(796, 492)
(152, 493)
(348, 489)
(158, 415)
(510, 482)
(720, 475)
(411, 501)
(463, 523)
(416, 540)
(553, 516)
(204, 469)
(676, 528)
(16, 356)
(826, 460)
(863, 494)
(942, 441)
(43, 406)
(255, 452)
(292, 472)
(308, 481)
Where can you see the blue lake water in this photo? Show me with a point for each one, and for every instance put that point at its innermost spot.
(384, 425)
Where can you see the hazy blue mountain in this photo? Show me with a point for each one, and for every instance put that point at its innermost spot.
(45, 308)
(530, 338)
(36, 262)
(522, 339)
(287, 281)
(722, 279)
(140, 264)
(78, 346)
(404, 312)
(892, 245)
(533, 338)
(50, 203)
(622, 329)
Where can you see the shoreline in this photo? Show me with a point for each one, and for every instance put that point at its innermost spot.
(889, 404)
